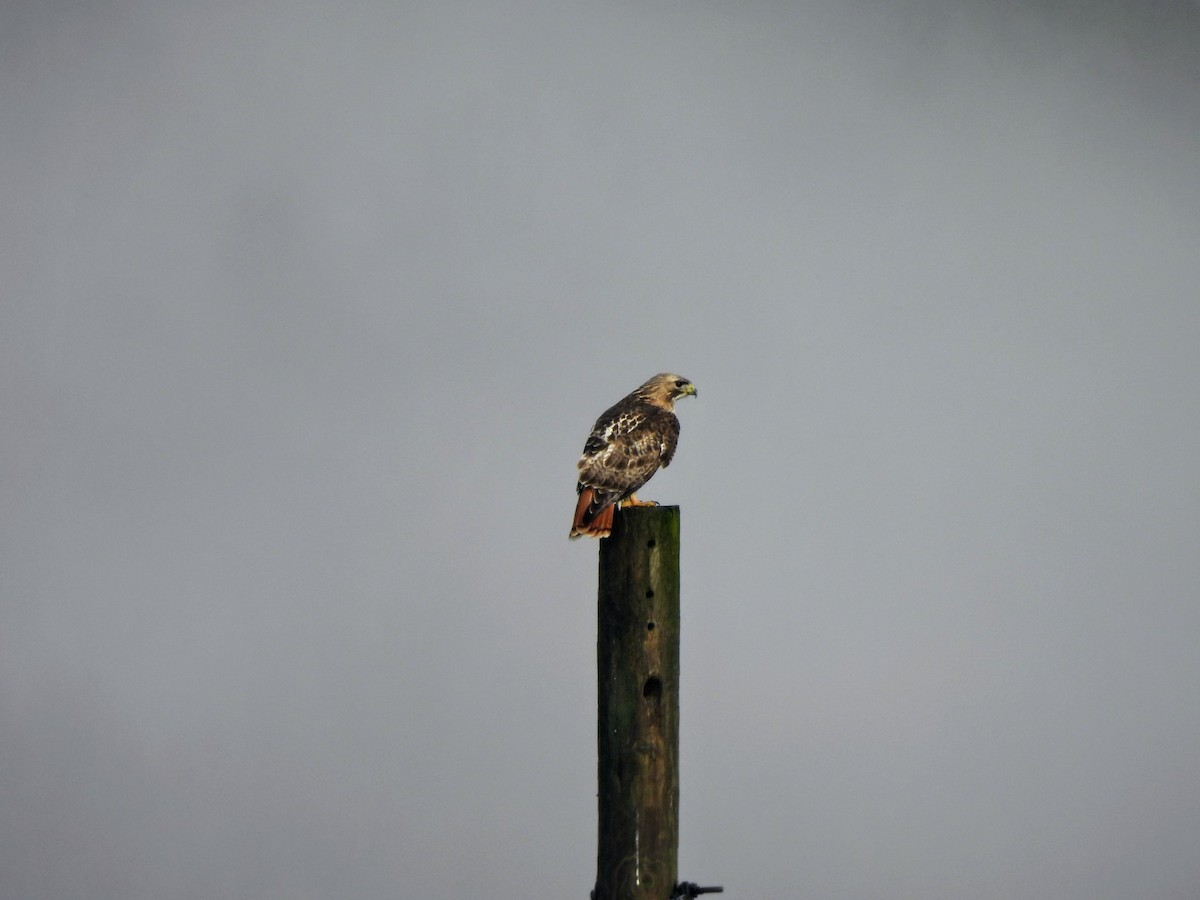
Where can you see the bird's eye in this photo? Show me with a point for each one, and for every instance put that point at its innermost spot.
(680, 383)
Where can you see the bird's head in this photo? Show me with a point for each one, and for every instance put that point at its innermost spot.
(665, 388)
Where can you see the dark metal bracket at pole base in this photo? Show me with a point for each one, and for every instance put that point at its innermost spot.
(690, 890)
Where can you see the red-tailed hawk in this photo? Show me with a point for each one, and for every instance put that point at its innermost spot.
(627, 445)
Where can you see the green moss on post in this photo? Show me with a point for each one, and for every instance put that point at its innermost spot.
(637, 652)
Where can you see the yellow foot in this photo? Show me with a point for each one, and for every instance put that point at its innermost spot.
(632, 500)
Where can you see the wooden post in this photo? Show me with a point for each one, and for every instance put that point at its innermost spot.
(637, 662)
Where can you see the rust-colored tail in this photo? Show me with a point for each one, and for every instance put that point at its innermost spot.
(599, 525)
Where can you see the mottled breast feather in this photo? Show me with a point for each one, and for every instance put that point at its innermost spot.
(628, 444)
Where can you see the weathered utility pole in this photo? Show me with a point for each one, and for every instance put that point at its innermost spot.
(637, 656)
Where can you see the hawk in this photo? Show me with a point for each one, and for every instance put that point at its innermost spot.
(627, 445)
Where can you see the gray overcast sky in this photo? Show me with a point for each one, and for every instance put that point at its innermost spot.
(308, 308)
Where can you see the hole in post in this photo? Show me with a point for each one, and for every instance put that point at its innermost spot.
(649, 593)
(650, 543)
(650, 625)
(652, 689)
